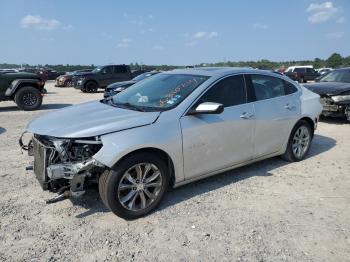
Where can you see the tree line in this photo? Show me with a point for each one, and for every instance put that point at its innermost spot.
(333, 61)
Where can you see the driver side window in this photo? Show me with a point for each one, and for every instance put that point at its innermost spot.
(229, 92)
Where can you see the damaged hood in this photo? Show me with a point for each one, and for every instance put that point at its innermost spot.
(328, 88)
(89, 119)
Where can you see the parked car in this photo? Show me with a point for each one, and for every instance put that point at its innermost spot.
(117, 87)
(302, 74)
(25, 89)
(8, 70)
(169, 130)
(324, 70)
(48, 74)
(334, 89)
(102, 76)
(70, 78)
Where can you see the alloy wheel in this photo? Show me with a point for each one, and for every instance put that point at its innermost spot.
(29, 99)
(139, 186)
(301, 141)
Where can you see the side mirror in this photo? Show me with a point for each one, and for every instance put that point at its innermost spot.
(207, 108)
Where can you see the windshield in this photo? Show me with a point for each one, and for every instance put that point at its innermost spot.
(142, 76)
(97, 69)
(342, 76)
(159, 92)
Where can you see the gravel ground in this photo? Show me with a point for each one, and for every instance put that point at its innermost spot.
(268, 211)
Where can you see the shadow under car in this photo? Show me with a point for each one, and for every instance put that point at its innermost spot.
(264, 168)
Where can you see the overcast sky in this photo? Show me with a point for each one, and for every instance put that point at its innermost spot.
(171, 32)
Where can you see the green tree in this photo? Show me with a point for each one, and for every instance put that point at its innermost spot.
(318, 63)
(335, 60)
(346, 61)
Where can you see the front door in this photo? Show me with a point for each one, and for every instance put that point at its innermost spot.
(214, 142)
(106, 76)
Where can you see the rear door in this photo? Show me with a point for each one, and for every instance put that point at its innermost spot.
(121, 73)
(214, 142)
(277, 108)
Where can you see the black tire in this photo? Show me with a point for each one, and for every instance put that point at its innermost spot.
(289, 154)
(110, 180)
(28, 98)
(301, 80)
(102, 187)
(91, 87)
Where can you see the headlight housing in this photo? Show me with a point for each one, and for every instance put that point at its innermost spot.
(341, 98)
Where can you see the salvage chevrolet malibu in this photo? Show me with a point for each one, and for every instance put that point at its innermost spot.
(168, 130)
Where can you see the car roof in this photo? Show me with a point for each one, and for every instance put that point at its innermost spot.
(220, 71)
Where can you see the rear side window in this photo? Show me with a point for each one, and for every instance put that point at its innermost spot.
(266, 87)
(120, 70)
(229, 92)
(299, 70)
(310, 70)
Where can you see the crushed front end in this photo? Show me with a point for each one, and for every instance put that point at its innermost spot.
(336, 105)
(65, 166)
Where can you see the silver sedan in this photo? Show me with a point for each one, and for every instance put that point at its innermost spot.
(169, 130)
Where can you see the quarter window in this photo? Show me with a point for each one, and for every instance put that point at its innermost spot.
(229, 92)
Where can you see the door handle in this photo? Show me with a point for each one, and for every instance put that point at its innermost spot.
(289, 107)
(246, 115)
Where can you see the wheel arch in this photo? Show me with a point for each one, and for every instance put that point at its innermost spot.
(19, 83)
(155, 151)
(91, 80)
(311, 122)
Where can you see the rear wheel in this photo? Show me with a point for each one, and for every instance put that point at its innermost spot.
(136, 187)
(28, 98)
(299, 142)
(301, 80)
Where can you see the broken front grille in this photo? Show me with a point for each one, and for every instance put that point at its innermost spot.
(328, 104)
(40, 163)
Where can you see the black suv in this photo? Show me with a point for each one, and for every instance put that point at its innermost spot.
(102, 76)
(25, 89)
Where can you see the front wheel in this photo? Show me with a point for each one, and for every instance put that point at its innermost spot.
(28, 98)
(136, 186)
(91, 87)
(299, 142)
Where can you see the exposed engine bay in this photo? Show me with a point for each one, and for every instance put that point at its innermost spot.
(64, 165)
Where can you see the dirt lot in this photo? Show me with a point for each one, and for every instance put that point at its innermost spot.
(268, 211)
